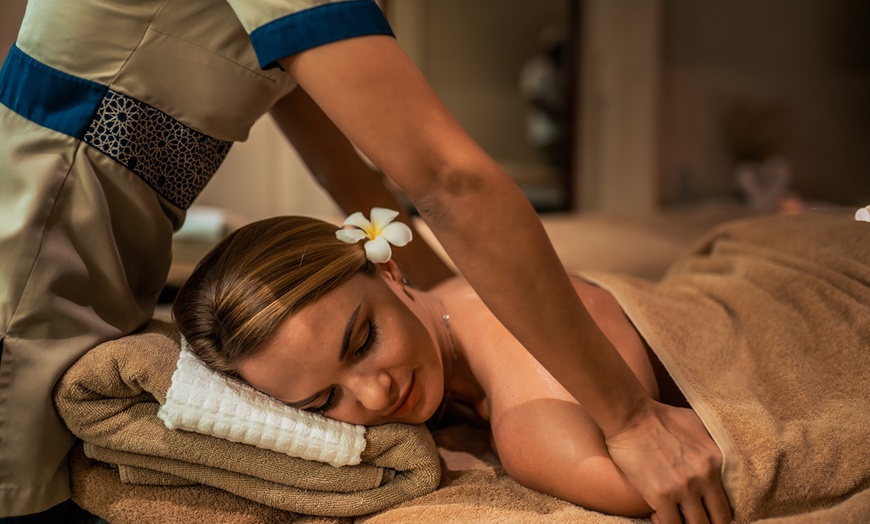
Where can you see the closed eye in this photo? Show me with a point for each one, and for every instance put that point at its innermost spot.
(370, 342)
(326, 406)
(372, 337)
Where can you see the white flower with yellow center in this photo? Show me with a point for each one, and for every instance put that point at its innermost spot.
(381, 231)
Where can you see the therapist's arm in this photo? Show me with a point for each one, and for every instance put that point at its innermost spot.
(351, 182)
(373, 92)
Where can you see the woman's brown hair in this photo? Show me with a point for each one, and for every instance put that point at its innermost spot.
(243, 289)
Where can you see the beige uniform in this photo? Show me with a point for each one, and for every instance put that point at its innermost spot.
(113, 116)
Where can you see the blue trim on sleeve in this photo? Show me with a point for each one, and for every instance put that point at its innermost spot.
(314, 27)
(48, 97)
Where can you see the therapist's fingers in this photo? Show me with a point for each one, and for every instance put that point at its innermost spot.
(675, 514)
(693, 512)
(717, 506)
(714, 510)
(669, 514)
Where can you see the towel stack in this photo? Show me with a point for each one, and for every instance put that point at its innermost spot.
(110, 400)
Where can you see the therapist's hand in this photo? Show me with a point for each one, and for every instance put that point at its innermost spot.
(668, 456)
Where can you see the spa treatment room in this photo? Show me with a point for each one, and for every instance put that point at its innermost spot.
(355, 261)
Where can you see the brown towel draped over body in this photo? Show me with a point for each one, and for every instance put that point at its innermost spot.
(110, 398)
(765, 327)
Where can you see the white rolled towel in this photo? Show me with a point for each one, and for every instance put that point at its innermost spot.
(204, 401)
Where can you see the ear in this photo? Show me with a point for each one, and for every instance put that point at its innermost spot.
(390, 270)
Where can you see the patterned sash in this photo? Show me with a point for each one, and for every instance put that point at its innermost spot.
(175, 160)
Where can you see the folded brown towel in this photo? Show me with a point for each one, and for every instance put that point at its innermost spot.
(765, 327)
(97, 487)
(110, 398)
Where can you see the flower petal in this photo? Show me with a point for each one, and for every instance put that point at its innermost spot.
(351, 236)
(397, 234)
(357, 219)
(378, 250)
(382, 216)
(863, 214)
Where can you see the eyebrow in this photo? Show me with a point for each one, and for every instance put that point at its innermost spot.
(345, 345)
(348, 330)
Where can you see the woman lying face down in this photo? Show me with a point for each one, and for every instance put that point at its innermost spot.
(307, 319)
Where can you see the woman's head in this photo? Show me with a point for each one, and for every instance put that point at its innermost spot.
(305, 318)
(243, 289)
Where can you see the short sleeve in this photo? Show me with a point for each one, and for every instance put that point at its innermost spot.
(280, 28)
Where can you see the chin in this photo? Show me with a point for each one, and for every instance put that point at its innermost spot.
(424, 410)
(433, 402)
(429, 389)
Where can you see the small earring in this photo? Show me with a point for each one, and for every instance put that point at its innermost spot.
(405, 285)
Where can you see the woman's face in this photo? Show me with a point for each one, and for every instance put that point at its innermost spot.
(360, 354)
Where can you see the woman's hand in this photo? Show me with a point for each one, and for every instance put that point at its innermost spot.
(668, 456)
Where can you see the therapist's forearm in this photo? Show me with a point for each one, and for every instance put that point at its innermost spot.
(374, 93)
(496, 239)
(378, 98)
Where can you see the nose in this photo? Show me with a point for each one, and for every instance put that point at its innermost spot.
(375, 391)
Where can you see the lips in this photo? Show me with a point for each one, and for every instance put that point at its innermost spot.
(408, 402)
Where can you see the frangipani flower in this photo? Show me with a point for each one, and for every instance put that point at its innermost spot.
(381, 231)
(863, 214)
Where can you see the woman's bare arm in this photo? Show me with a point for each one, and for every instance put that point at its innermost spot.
(552, 446)
(349, 180)
(376, 96)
